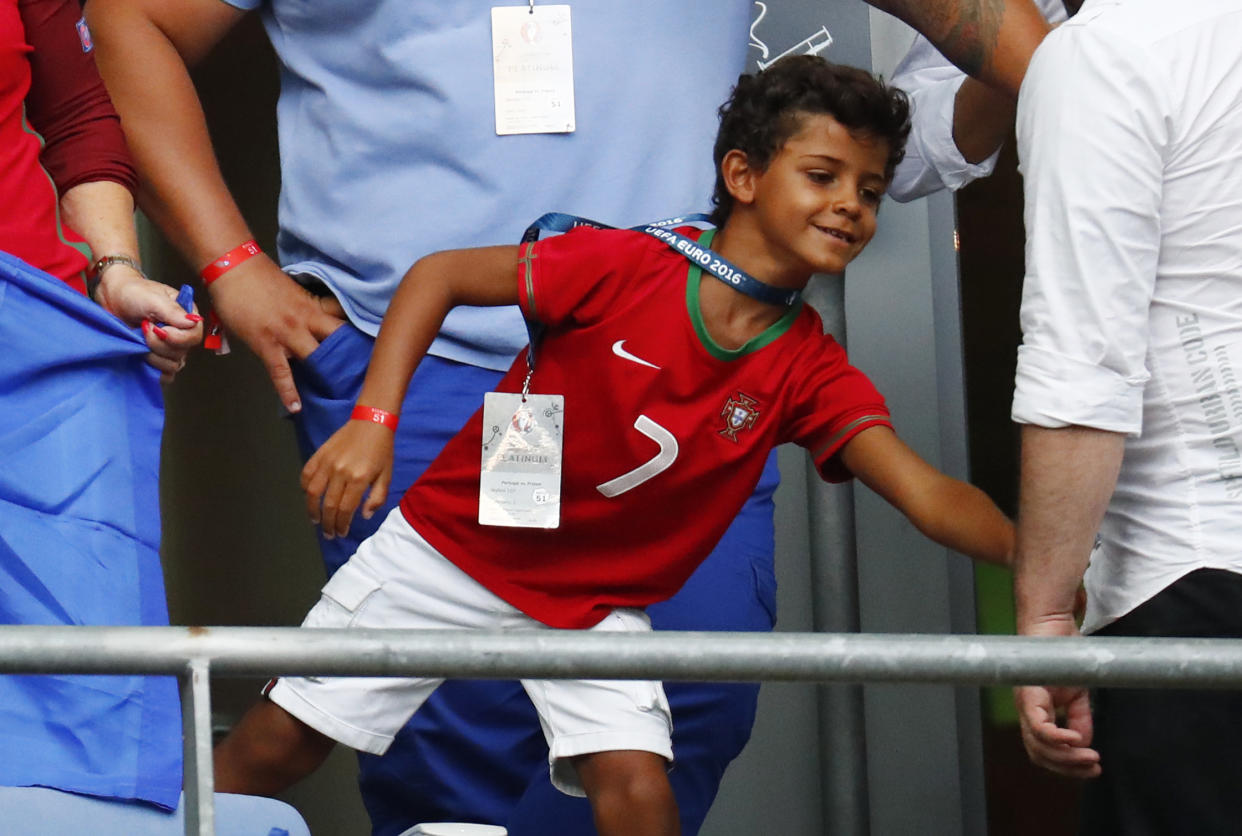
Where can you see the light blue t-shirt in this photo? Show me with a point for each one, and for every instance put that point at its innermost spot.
(389, 152)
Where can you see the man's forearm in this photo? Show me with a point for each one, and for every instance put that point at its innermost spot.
(1068, 476)
(992, 40)
(142, 50)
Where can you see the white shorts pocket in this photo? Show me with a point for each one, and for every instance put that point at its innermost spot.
(344, 597)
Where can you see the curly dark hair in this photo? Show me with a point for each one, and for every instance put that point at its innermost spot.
(766, 109)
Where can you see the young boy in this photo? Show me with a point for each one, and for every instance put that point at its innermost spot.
(675, 387)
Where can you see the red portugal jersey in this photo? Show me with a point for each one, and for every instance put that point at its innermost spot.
(645, 386)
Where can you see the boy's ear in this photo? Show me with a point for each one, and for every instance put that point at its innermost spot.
(739, 176)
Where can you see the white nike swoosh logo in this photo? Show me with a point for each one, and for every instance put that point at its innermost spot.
(625, 355)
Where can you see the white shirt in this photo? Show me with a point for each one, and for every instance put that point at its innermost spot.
(933, 161)
(1130, 141)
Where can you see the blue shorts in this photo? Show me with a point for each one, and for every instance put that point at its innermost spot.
(474, 751)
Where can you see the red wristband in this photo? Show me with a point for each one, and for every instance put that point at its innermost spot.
(375, 416)
(229, 260)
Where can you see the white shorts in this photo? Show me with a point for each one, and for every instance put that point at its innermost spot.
(397, 580)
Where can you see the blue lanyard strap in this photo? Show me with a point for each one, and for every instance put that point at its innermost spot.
(702, 257)
(723, 269)
(558, 222)
(707, 259)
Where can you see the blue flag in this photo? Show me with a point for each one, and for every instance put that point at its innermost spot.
(81, 414)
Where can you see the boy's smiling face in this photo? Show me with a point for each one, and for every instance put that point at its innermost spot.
(815, 203)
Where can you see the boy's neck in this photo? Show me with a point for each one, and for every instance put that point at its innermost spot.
(730, 316)
(741, 242)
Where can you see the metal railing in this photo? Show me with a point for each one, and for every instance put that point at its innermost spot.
(193, 654)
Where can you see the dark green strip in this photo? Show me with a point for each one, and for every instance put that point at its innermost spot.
(772, 332)
(528, 259)
(846, 430)
(81, 247)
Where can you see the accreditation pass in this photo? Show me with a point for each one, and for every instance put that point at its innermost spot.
(533, 69)
(520, 475)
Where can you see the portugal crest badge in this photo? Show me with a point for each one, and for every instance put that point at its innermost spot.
(740, 413)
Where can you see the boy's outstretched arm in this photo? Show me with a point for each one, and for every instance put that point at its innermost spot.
(359, 455)
(951, 512)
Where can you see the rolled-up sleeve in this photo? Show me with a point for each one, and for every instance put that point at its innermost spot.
(1091, 151)
(932, 160)
(68, 104)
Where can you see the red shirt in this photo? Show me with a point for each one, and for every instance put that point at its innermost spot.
(57, 130)
(616, 304)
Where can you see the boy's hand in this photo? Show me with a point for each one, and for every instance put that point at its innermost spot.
(358, 456)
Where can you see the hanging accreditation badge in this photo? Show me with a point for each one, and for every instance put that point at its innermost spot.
(520, 480)
(533, 66)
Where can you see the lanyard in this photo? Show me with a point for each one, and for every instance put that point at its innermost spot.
(708, 260)
(700, 256)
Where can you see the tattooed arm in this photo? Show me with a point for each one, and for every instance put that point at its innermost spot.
(990, 39)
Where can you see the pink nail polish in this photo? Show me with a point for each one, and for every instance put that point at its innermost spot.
(193, 317)
(160, 332)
